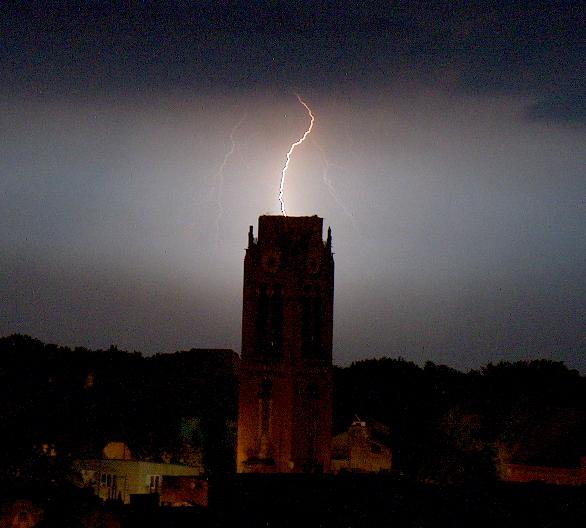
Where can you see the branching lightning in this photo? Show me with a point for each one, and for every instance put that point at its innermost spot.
(296, 144)
(219, 176)
(326, 165)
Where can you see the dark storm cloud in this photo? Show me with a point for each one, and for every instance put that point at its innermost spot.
(532, 48)
(452, 132)
(565, 107)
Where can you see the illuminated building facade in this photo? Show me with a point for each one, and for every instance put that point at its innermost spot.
(364, 448)
(285, 406)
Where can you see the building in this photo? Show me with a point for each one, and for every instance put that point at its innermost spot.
(549, 475)
(20, 513)
(364, 448)
(285, 403)
(184, 491)
(121, 478)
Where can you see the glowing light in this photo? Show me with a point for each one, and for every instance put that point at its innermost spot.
(219, 176)
(293, 146)
(326, 165)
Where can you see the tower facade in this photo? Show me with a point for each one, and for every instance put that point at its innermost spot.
(285, 405)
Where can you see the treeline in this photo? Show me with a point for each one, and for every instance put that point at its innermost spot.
(453, 426)
(170, 407)
(446, 425)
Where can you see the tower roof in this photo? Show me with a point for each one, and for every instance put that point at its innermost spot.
(272, 227)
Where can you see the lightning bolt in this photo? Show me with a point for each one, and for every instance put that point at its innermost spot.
(219, 176)
(326, 165)
(296, 144)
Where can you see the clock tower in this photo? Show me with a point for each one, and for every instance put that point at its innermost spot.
(285, 405)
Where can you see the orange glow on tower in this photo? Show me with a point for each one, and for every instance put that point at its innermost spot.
(285, 407)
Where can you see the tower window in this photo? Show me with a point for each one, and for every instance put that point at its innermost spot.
(311, 329)
(269, 322)
(264, 396)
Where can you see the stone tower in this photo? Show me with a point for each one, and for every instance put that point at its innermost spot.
(285, 406)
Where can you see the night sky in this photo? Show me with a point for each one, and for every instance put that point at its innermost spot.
(448, 155)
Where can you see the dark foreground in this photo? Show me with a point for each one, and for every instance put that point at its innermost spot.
(329, 501)
(374, 500)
